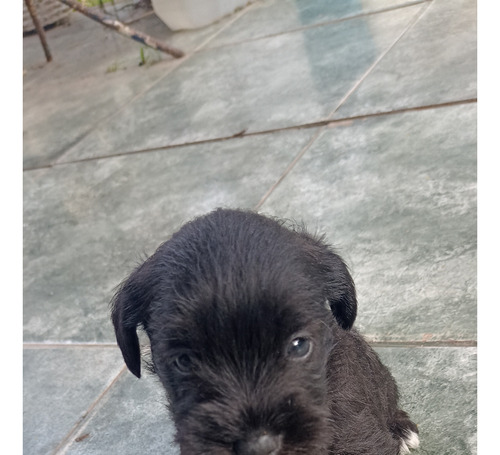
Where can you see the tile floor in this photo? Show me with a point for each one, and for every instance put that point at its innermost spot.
(358, 117)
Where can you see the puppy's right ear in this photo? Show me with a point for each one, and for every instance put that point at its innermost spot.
(129, 308)
(338, 285)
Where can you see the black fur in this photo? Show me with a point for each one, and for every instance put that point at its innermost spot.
(250, 330)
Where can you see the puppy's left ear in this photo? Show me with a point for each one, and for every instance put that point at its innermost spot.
(340, 290)
(129, 308)
(336, 280)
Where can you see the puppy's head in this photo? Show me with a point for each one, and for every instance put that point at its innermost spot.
(242, 314)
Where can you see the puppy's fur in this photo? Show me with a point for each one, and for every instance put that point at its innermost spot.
(250, 325)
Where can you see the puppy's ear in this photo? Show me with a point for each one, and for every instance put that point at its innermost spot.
(340, 290)
(336, 280)
(129, 308)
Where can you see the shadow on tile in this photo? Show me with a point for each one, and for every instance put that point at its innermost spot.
(271, 17)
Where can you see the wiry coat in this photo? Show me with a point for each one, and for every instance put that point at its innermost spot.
(250, 325)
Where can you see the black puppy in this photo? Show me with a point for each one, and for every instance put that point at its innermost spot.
(250, 330)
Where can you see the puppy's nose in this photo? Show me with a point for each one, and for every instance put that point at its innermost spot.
(260, 443)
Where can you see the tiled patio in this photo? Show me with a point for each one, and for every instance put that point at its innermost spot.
(356, 116)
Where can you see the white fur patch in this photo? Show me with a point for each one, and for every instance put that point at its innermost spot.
(410, 441)
(403, 448)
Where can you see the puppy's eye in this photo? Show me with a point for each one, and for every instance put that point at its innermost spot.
(299, 348)
(182, 363)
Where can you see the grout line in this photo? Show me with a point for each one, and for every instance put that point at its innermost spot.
(98, 124)
(410, 25)
(237, 16)
(423, 344)
(404, 110)
(321, 24)
(342, 121)
(91, 411)
(178, 62)
(82, 423)
(138, 18)
(49, 345)
(320, 123)
(289, 167)
(183, 144)
(391, 343)
(175, 63)
(342, 101)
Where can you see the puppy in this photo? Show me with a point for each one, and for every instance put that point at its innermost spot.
(250, 325)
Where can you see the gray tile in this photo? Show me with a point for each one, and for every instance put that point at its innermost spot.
(435, 62)
(87, 48)
(272, 17)
(282, 81)
(59, 387)
(397, 195)
(62, 113)
(87, 225)
(94, 73)
(132, 419)
(84, 49)
(438, 388)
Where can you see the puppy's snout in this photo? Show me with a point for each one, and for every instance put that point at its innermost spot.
(259, 443)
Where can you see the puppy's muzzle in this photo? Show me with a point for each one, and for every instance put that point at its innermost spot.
(259, 443)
